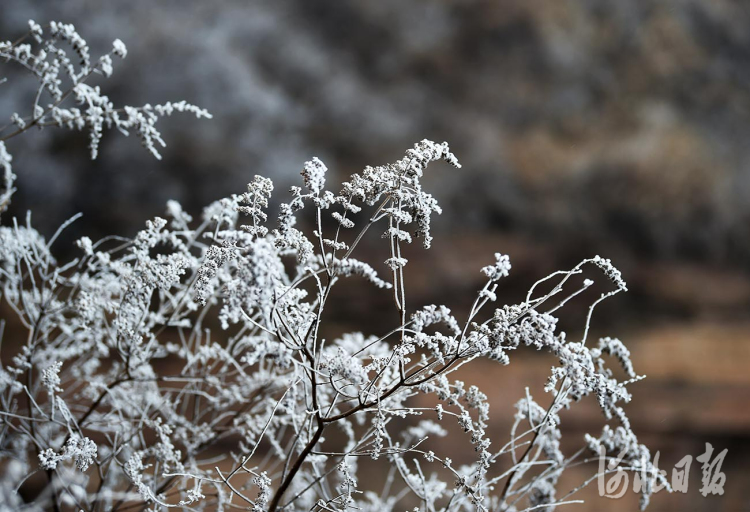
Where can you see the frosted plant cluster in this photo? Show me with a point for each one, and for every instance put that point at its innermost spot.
(192, 366)
(60, 60)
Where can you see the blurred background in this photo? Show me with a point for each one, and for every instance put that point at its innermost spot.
(584, 127)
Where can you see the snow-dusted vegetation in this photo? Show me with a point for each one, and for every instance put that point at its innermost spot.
(190, 367)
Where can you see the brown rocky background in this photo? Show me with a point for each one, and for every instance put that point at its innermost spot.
(612, 127)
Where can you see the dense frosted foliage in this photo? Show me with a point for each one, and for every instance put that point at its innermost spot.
(189, 366)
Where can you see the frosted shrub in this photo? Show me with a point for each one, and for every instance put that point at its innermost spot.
(189, 367)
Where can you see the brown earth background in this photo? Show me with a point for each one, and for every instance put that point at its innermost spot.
(612, 127)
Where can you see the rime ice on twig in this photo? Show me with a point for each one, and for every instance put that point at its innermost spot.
(6, 192)
(62, 75)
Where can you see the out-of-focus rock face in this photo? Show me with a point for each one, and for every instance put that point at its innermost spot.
(592, 126)
(585, 119)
